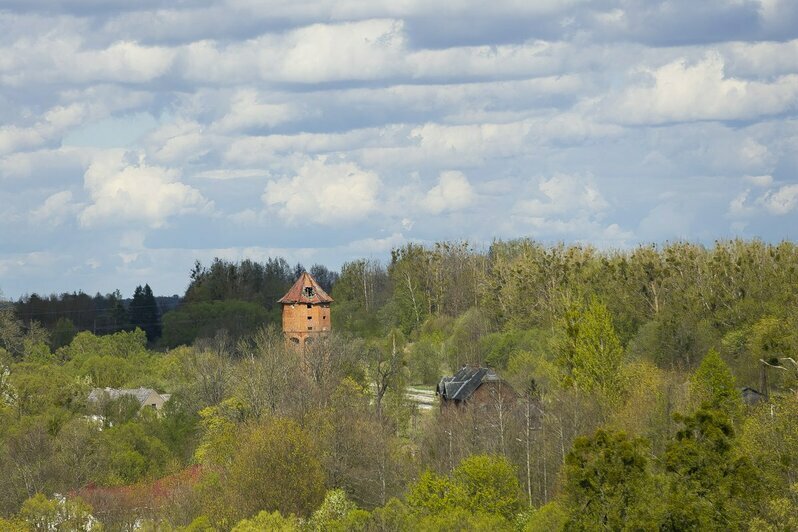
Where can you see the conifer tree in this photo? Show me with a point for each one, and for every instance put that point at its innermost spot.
(713, 386)
(144, 312)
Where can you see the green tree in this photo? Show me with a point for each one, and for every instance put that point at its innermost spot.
(711, 487)
(275, 468)
(769, 438)
(43, 514)
(712, 386)
(483, 482)
(203, 319)
(63, 333)
(269, 521)
(589, 351)
(490, 484)
(144, 312)
(608, 484)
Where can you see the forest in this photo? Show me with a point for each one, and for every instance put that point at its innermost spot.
(654, 388)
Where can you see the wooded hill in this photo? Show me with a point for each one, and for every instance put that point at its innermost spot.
(628, 368)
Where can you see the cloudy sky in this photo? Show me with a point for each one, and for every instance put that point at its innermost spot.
(136, 137)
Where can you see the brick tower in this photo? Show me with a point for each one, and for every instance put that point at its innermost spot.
(306, 311)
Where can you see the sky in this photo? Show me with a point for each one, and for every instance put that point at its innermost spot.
(138, 137)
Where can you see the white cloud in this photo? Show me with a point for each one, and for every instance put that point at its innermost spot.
(53, 123)
(570, 205)
(367, 49)
(375, 246)
(738, 206)
(760, 180)
(179, 142)
(679, 91)
(123, 191)
(247, 111)
(452, 193)
(57, 58)
(782, 201)
(56, 208)
(565, 194)
(325, 193)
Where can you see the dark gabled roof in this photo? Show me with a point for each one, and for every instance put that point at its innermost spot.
(296, 294)
(461, 385)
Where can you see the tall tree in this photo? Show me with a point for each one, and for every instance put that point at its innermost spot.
(144, 312)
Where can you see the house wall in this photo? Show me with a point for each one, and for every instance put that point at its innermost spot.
(153, 400)
(491, 393)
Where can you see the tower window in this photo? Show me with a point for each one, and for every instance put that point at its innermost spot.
(310, 328)
(310, 306)
(310, 317)
(308, 291)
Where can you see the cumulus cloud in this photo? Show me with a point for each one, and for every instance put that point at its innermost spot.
(781, 201)
(247, 112)
(56, 208)
(324, 192)
(680, 91)
(53, 123)
(570, 205)
(565, 194)
(124, 191)
(317, 111)
(452, 193)
(778, 200)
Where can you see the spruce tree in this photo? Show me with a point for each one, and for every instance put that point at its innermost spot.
(144, 312)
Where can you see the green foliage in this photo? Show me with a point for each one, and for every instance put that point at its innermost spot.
(463, 345)
(550, 517)
(500, 347)
(63, 333)
(780, 513)
(360, 293)
(608, 484)
(710, 486)
(129, 345)
(713, 386)
(268, 521)
(203, 319)
(335, 513)
(489, 483)
(485, 482)
(275, 467)
(589, 351)
(769, 439)
(589, 339)
(456, 519)
(144, 312)
(133, 455)
(433, 494)
(43, 514)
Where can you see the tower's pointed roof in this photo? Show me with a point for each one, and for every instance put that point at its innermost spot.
(299, 293)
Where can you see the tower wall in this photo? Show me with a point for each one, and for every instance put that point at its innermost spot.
(302, 321)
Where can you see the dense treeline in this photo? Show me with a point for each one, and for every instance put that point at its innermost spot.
(64, 315)
(628, 412)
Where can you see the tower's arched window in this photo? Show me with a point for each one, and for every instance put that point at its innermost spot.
(295, 340)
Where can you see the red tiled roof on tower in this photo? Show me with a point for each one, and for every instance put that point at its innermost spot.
(305, 290)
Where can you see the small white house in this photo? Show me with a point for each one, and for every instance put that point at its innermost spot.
(147, 397)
